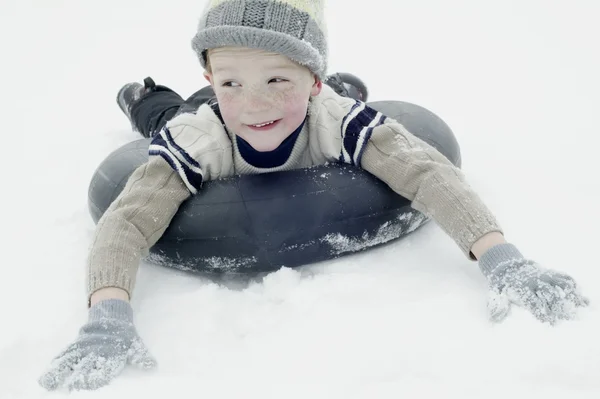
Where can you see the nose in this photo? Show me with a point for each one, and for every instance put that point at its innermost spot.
(257, 100)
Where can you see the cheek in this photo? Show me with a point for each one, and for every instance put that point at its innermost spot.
(295, 104)
(229, 107)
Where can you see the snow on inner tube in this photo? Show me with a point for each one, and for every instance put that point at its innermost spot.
(259, 223)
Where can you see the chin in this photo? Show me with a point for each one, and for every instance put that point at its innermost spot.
(268, 141)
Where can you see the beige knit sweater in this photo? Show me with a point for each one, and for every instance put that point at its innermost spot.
(196, 147)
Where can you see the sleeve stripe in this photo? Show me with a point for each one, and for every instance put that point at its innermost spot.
(356, 109)
(165, 139)
(191, 179)
(357, 127)
(364, 137)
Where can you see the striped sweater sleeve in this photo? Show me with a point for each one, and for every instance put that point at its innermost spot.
(188, 169)
(418, 172)
(357, 128)
(196, 147)
(189, 150)
(133, 223)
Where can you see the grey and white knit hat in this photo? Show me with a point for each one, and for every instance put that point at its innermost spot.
(294, 28)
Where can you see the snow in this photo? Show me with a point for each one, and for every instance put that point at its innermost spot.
(518, 83)
(404, 224)
(214, 263)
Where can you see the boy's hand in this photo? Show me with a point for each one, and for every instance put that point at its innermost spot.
(105, 345)
(549, 295)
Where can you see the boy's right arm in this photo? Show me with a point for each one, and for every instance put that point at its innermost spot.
(130, 226)
(140, 215)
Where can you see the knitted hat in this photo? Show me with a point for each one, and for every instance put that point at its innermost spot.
(294, 28)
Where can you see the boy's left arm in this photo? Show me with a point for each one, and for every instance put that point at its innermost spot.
(437, 188)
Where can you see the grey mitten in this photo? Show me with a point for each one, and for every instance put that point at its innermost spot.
(549, 295)
(105, 345)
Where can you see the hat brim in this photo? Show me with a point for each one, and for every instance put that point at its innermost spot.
(300, 51)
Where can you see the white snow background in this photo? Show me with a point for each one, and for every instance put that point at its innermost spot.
(518, 81)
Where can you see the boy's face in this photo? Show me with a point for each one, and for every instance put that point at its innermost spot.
(263, 97)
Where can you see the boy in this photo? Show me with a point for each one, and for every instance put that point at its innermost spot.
(265, 61)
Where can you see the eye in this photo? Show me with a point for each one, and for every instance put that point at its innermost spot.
(277, 80)
(230, 84)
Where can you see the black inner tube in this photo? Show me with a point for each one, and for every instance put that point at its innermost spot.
(259, 223)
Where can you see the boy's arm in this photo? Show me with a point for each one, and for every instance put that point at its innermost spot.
(419, 172)
(437, 188)
(130, 226)
(140, 215)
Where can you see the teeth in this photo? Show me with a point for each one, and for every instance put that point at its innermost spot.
(263, 124)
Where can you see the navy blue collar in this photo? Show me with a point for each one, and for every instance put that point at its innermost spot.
(266, 159)
(269, 159)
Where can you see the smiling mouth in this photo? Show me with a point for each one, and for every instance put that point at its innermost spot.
(264, 125)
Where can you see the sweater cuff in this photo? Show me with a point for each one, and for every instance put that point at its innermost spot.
(496, 255)
(113, 278)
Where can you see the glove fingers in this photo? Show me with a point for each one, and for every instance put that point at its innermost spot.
(571, 294)
(538, 305)
(139, 355)
(107, 370)
(577, 299)
(95, 372)
(567, 288)
(78, 379)
(554, 298)
(62, 366)
(569, 301)
(498, 306)
(547, 294)
(562, 280)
